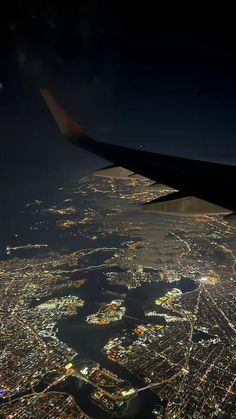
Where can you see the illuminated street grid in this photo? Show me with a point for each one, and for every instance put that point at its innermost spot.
(196, 376)
(189, 360)
(25, 355)
(47, 406)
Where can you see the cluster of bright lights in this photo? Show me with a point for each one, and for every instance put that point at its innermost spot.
(203, 279)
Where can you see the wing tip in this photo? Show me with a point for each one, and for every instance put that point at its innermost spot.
(67, 126)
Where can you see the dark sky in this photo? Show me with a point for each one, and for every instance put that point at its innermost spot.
(163, 78)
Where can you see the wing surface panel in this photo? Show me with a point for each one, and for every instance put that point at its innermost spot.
(208, 181)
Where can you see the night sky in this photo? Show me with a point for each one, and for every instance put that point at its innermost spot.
(162, 78)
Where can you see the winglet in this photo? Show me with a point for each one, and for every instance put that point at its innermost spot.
(68, 127)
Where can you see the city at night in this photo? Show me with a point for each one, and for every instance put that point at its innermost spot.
(118, 226)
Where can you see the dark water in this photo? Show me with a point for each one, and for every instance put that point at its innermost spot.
(88, 340)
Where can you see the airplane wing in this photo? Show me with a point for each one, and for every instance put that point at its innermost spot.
(202, 187)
